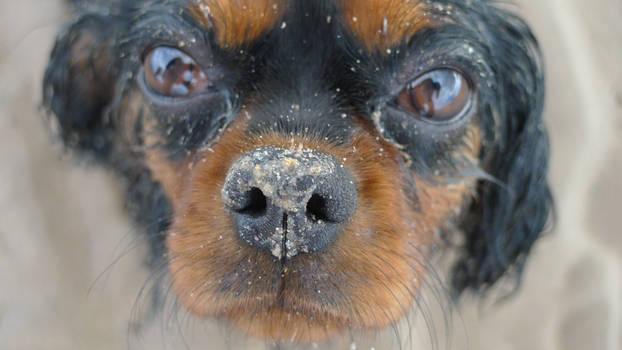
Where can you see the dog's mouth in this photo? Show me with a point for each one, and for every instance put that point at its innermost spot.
(307, 298)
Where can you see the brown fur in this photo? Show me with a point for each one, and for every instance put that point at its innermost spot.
(382, 24)
(240, 22)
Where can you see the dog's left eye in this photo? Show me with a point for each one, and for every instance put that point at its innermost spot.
(438, 95)
(171, 72)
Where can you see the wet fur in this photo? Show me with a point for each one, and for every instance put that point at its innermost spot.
(512, 200)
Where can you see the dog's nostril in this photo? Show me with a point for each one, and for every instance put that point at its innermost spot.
(316, 208)
(289, 201)
(256, 202)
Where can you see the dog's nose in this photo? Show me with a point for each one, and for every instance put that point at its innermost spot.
(289, 201)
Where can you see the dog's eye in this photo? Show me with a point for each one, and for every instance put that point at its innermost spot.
(170, 72)
(438, 95)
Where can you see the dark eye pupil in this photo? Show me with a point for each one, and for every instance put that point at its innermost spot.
(426, 95)
(172, 63)
(440, 95)
(171, 72)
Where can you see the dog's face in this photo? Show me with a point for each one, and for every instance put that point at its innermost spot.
(297, 163)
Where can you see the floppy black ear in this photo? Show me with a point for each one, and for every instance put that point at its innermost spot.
(80, 80)
(507, 217)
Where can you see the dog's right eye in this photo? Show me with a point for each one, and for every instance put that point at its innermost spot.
(439, 95)
(171, 72)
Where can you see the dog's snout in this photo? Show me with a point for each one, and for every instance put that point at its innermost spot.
(289, 201)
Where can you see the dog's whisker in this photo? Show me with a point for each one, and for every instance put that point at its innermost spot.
(135, 242)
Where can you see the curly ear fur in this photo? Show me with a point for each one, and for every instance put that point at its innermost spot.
(79, 82)
(79, 88)
(507, 217)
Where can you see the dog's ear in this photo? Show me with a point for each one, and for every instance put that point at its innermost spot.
(509, 214)
(80, 80)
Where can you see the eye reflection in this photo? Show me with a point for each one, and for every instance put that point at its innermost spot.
(171, 72)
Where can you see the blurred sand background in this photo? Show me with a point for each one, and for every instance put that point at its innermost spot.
(62, 224)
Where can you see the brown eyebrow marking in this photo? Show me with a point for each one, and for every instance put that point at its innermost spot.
(382, 24)
(240, 22)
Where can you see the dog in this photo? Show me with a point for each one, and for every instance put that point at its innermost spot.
(296, 165)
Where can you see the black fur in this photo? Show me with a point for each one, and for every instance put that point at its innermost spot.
(69, 92)
(509, 214)
(513, 201)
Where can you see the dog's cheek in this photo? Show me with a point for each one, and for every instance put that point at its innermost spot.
(140, 134)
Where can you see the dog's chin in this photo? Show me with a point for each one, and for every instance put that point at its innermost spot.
(294, 313)
(286, 321)
(282, 325)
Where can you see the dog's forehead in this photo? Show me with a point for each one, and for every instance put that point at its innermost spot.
(238, 22)
(376, 24)
(380, 24)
